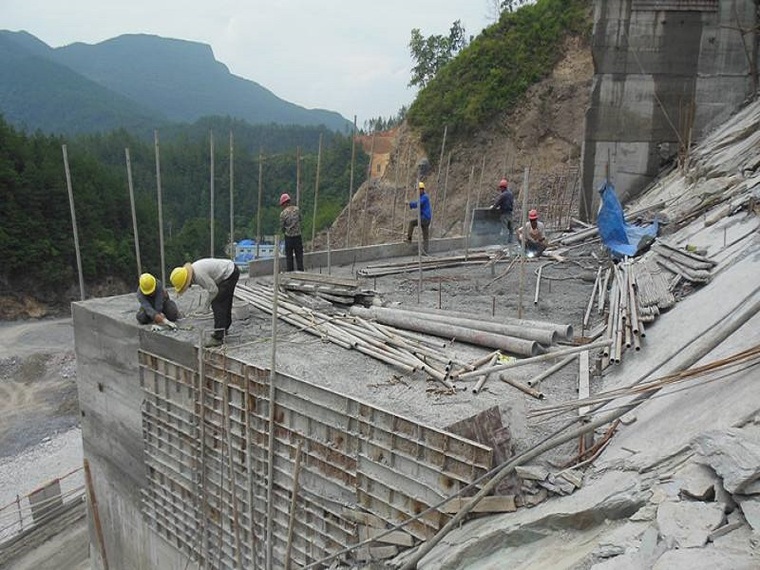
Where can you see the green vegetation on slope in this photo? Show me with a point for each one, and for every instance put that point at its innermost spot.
(496, 69)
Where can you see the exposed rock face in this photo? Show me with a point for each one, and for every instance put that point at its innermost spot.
(732, 455)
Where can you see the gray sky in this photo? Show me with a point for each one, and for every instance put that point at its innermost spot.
(346, 56)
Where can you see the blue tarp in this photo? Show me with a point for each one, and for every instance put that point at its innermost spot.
(620, 237)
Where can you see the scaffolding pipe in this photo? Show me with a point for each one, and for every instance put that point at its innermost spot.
(564, 332)
(537, 359)
(513, 345)
(549, 371)
(541, 335)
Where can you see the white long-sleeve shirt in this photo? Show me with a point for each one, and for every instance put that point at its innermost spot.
(209, 272)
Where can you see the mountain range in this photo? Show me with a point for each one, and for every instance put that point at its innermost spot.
(134, 81)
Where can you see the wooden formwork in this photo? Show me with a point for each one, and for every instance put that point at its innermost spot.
(206, 454)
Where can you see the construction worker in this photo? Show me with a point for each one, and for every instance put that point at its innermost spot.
(532, 236)
(290, 218)
(505, 204)
(425, 218)
(219, 278)
(155, 305)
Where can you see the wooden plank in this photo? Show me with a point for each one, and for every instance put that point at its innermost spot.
(497, 504)
(316, 277)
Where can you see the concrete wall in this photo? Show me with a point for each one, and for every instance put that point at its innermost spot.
(178, 450)
(657, 63)
(320, 260)
(110, 400)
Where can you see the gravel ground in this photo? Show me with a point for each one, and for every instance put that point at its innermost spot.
(39, 415)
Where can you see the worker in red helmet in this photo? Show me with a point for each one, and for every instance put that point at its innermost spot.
(532, 236)
(505, 204)
(290, 218)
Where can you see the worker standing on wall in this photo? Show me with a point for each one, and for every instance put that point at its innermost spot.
(290, 219)
(425, 217)
(218, 277)
(532, 236)
(505, 204)
(155, 305)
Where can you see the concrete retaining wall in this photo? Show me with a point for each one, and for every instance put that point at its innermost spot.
(658, 64)
(320, 260)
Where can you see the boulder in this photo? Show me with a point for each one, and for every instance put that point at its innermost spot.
(686, 524)
(732, 455)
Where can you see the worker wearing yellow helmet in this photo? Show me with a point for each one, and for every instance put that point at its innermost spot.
(218, 277)
(155, 304)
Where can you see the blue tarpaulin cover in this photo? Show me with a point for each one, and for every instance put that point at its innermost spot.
(620, 237)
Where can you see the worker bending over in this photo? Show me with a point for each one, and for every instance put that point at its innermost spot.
(155, 305)
(532, 236)
(219, 278)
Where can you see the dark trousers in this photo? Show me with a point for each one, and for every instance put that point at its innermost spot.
(507, 230)
(169, 309)
(425, 232)
(222, 304)
(293, 249)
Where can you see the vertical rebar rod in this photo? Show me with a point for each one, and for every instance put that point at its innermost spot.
(351, 184)
(298, 176)
(232, 197)
(480, 181)
(445, 193)
(526, 175)
(134, 212)
(272, 374)
(258, 207)
(316, 194)
(293, 504)
(74, 222)
(467, 224)
(211, 188)
(367, 187)
(160, 206)
(440, 165)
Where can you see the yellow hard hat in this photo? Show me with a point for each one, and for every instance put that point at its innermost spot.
(181, 277)
(147, 284)
(422, 186)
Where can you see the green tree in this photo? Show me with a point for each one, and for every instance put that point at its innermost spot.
(432, 53)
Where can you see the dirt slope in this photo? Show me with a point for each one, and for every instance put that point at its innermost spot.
(545, 133)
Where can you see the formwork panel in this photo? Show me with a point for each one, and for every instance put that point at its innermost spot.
(206, 436)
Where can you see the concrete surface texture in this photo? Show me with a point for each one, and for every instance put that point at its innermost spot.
(655, 59)
(683, 467)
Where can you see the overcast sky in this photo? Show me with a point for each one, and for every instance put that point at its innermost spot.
(346, 56)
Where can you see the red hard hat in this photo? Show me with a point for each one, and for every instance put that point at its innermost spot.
(532, 215)
(503, 183)
(284, 198)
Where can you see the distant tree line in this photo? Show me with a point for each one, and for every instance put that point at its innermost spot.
(36, 239)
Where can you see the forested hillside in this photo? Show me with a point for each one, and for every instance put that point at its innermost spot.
(36, 239)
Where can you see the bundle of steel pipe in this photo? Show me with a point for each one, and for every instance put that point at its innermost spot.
(377, 341)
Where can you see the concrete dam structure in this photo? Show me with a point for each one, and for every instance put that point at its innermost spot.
(667, 72)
